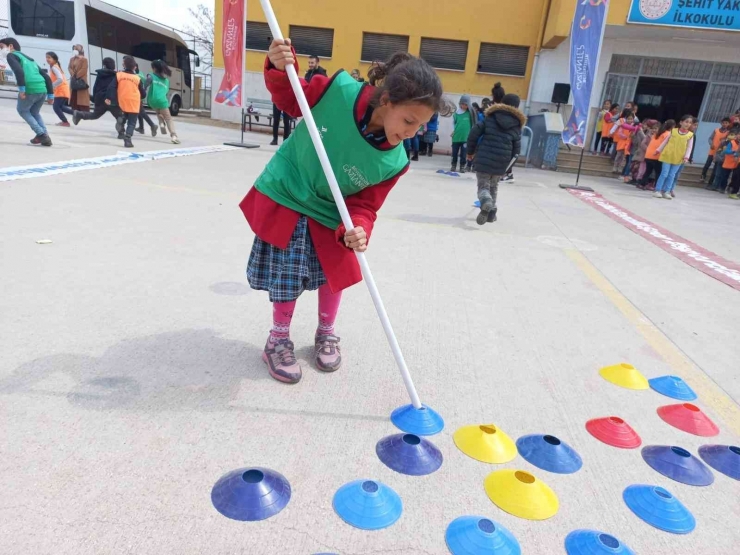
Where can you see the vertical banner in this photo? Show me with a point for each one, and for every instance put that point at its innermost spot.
(586, 37)
(233, 44)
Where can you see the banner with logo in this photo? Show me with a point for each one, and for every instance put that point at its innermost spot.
(586, 37)
(722, 15)
(233, 45)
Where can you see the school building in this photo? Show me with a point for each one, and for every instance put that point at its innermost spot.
(673, 57)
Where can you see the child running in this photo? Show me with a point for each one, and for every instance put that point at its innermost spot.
(674, 153)
(126, 91)
(157, 98)
(62, 92)
(143, 116)
(301, 243)
(103, 79)
(500, 136)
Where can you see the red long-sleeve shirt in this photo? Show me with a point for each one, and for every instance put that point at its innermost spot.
(274, 223)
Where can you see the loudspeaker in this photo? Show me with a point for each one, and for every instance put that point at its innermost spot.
(560, 93)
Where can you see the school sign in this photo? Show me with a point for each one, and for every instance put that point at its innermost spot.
(720, 15)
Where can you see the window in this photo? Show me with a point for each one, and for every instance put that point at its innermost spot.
(312, 41)
(126, 37)
(503, 59)
(444, 54)
(721, 101)
(379, 47)
(259, 36)
(51, 19)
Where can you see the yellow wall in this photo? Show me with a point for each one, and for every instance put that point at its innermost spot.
(498, 21)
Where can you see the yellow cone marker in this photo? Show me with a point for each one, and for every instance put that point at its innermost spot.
(521, 494)
(485, 443)
(624, 375)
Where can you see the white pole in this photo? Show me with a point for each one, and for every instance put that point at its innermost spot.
(342, 207)
(244, 62)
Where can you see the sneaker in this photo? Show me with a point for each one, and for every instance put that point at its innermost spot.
(45, 140)
(415, 157)
(119, 127)
(281, 361)
(273, 143)
(463, 169)
(76, 117)
(121, 136)
(734, 197)
(485, 209)
(140, 130)
(453, 169)
(37, 139)
(127, 142)
(673, 195)
(508, 178)
(63, 124)
(667, 196)
(492, 216)
(658, 194)
(328, 353)
(163, 129)
(175, 140)
(154, 130)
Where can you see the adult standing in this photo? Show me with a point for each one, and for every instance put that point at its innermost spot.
(79, 80)
(277, 114)
(34, 88)
(314, 68)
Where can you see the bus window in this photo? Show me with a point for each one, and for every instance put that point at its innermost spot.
(183, 62)
(52, 19)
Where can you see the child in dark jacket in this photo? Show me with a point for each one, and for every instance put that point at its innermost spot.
(501, 137)
(105, 76)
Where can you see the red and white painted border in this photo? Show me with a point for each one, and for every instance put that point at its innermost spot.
(706, 261)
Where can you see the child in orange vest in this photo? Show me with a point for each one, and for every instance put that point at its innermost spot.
(606, 129)
(127, 90)
(653, 165)
(728, 151)
(622, 132)
(62, 92)
(717, 136)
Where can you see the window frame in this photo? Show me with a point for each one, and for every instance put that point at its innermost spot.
(362, 46)
(247, 22)
(312, 53)
(455, 70)
(526, 64)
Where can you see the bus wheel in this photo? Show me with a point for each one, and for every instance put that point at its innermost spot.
(175, 106)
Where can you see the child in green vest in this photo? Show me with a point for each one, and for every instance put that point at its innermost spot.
(463, 120)
(143, 116)
(301, 243)
(157, 98)
(34, 88)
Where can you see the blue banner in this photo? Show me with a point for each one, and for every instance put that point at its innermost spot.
(722, 15)
(586, 37)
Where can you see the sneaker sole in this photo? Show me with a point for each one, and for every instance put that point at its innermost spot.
(327, 369)
(278, 377)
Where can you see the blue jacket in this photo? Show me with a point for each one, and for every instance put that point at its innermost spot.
(433, 124)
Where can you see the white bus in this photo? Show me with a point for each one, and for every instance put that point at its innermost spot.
(105, 31)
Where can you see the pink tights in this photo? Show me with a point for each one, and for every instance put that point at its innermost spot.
(282, 314)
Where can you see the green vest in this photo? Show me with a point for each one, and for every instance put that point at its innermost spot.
(157, 96)
(35, 82)
(294, 178)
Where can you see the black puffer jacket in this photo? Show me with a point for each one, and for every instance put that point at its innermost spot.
(102, 81)
(502, 139)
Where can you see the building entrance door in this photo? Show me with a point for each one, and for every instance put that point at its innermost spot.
(665, 99)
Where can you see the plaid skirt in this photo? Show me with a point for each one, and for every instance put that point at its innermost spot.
(286, 273)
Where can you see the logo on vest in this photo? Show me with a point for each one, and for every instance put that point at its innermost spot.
(321, 130)
(355, 176)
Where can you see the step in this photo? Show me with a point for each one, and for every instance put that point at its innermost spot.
(685, 180)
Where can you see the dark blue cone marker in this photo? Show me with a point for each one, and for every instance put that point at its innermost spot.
(657, 507)
(420, 422)
(722, 458)
(549, 453)
(678, 464)
(367, 504)
(251, 494)
(673, 387)
(592, 542)
(409, 454)
(477, 535)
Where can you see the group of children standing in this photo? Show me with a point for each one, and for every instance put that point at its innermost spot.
(652, 156)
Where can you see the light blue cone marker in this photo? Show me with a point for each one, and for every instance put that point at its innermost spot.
(673, 387)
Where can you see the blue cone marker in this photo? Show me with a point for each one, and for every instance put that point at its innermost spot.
(549, 453)
(658, 507)
(367, 504)
(409, 454)
(478, 535)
